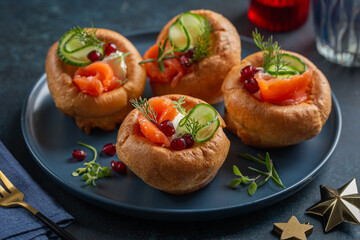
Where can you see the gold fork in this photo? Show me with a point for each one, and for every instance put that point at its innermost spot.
(14, 198)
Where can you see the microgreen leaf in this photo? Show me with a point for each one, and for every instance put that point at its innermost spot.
(245, 179)
(93, 170)
(252, 188)
(235, 182)
(106, 171)
(178, 104)
(266, 161)
(236, 171)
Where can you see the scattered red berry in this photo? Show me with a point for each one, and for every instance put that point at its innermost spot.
(109, 149)
(79, 154)
(248, 72)
(167, 128)
(118, 167)
(251, 85)
(110, 48)
(94, 56)
(178, 144)
(189, 140)
(184, 61)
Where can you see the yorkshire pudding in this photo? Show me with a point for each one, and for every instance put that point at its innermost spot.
(265, 125)
(205, 80)
(172, 171)
(109, 108)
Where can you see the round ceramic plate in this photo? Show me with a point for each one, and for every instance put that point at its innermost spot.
(51, 137)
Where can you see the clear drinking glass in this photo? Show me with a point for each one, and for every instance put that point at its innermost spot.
(337, 26)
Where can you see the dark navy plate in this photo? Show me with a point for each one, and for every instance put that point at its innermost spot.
(51, 137)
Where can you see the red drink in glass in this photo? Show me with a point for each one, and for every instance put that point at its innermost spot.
(278, 15)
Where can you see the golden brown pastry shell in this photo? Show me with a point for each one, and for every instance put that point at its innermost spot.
(262, 124)
(168, 170)
(103, 111)
(208, 75)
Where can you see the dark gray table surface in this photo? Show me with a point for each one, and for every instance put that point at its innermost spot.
(28, 28)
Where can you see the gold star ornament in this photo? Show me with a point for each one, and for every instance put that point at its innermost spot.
(293, 229)
(338, 205)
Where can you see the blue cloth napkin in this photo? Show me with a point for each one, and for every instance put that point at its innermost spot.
(18, 223)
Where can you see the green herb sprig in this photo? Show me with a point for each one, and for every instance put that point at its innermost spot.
(93, 170)
(271, 52)
(266, 161)
(204, 46)
(87, 36)
(146, 109)
(162, 55)
(178, 104)
(192, 125)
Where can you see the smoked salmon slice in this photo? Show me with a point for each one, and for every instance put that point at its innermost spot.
(165, 111)
(173, 70)
(284, 91)
(96, 78)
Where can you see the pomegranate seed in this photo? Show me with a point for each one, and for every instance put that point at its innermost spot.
(251, 85)
(110, 48)
(248, 72)
(189, 140)
(167, 128)
(109, 149)
(79, 154)
(178, 143)
(184, 61)
(118, 167)
(190, 53)
(94, 56)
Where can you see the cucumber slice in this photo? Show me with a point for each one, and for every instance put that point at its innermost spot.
(294, 62)
(285, 70)
(202, 112)
(178, 36)
(207, 131)
(74, 52)
(194, 25)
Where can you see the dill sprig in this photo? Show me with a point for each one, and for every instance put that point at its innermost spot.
(271, 52)
(178, 104)
(87, 36)
(163, 54)
(143, 105)
(192, 125)
(204, 46)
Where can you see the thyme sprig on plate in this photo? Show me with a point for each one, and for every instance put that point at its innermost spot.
(87, 36)
(163, 54)
(266, 161)
(271, 52)
(178, 104)
(92, 170)
(144, 106)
